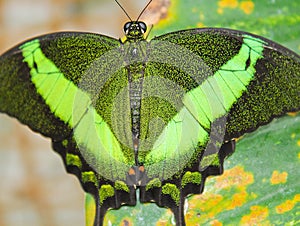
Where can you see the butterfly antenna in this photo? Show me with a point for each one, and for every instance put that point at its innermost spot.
(143, 10)
(123, 10)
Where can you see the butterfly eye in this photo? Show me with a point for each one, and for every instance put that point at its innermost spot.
(127, 26)
(142, 26)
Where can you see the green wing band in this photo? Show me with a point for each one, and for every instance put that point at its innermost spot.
(172, 150)
(211, 100)
(73, 106)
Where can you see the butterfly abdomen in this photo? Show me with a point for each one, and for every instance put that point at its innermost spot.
(135, 80)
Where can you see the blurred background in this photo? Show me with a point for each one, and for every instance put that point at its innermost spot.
(35, 189)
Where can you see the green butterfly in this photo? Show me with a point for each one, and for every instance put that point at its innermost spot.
(157, 116)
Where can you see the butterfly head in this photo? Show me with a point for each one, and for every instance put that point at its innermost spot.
(134, 30)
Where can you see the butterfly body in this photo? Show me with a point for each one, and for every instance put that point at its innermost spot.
(159, 116)
(135, 73)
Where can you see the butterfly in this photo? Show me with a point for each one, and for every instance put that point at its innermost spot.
(155, 117)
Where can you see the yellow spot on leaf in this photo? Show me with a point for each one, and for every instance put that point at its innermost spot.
(189, 215)
(238, 200)
(200, 24)
(258, 214)
(228, 3)
(285, 207)
(299, 155)
(278, 178)
(208, 204)
(236, 176)
(298, 142)
(247, 6)
(288, 205)
(216, 223)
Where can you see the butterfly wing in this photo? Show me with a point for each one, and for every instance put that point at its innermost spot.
(63, 86)
(207, 86)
